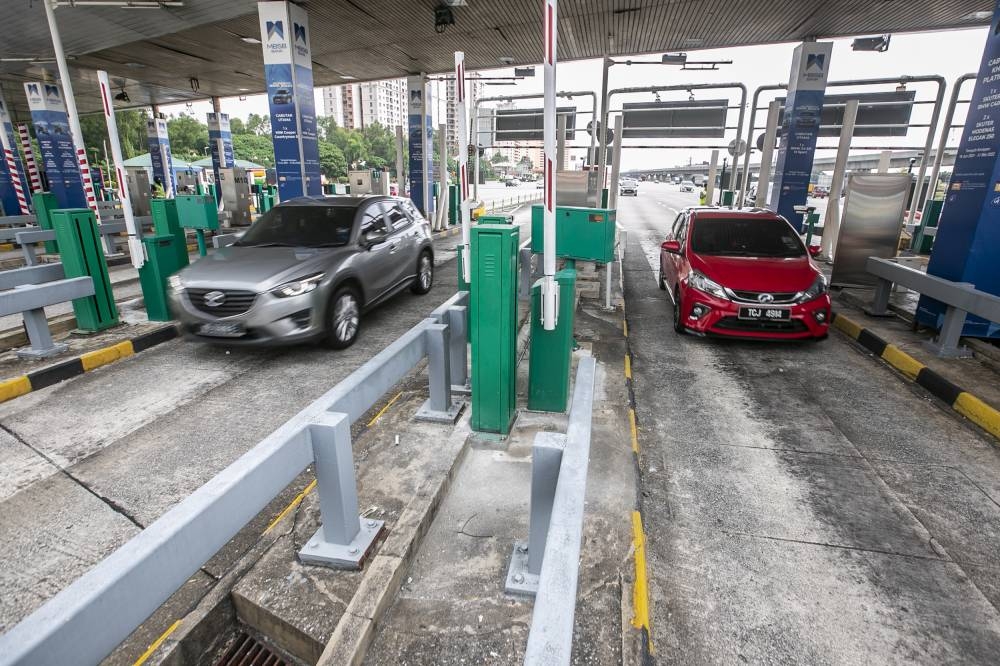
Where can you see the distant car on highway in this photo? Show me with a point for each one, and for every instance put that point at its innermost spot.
(627, 186)
(820, 192)
(512, 182)
(539, 184)
(306, 271)
(742, 273)
(687, 186)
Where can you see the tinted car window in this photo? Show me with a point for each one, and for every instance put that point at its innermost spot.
(745, 238)
(373, 220)
(301, 226)
(397, 218)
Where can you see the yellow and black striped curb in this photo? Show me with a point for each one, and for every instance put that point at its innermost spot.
(39, 379)
(450, 231)
(963, 402)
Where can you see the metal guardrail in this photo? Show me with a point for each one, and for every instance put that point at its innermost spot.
(507, 202)
(961, 298)
(84, 622)
(548, 565)
(28, 291)
(108, 230)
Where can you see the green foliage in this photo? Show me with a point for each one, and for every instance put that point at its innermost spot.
(254, 148)
(332, 162)
(131, 132)
(188, 137)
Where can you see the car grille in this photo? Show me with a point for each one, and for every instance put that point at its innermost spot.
(236, 302)
(737, 324)
(751, 296)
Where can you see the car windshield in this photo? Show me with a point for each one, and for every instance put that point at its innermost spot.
(301, 226)
(745, 238)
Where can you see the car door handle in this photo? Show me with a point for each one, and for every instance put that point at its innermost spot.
(392, 247)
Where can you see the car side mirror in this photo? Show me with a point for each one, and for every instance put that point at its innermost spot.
(373, 238)
(672, 246)
(814, 250)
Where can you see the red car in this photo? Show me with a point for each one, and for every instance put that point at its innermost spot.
(742, 273)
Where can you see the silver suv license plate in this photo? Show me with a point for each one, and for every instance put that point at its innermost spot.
(220, 330)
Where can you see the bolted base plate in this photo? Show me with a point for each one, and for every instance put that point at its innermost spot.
(30, 352)
(461, 389)
(942, 352)
(519, 581)
(425, 413)
(352, 556)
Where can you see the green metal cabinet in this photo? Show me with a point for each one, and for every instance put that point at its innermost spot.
(161, 262)
(166, 222)
(922, 241)
(586, 234)
(82, 256)
(494, 327)
(454, 205)
(44, 203)
(551, 352)
(198, 211)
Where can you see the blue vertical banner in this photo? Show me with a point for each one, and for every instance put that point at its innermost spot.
(159, 154)
(420, 144)
(967, 246)
(800, 128)
(220, 141)
(12, 203)
(284, 33)
(55, 141)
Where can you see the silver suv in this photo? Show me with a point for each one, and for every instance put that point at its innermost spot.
(305, 271)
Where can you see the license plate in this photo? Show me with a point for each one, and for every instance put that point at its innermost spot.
(766, 314)
(221, 330)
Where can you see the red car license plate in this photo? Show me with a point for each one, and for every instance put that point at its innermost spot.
(766, 314)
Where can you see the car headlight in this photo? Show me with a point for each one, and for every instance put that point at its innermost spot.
(298, 287)
(702, 283)
(175, 283)
(818, 288)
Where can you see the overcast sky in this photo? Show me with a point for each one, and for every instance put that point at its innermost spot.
(949, 54)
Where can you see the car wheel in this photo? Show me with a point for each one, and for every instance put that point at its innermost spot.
(678, 326)
(659, 281)
(425, 274)
(343, 318)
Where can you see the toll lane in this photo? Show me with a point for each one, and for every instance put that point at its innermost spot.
(802, 504)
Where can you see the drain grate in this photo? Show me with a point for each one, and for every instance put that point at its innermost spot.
(248, 651)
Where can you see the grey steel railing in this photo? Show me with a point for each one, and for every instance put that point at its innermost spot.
(961, 298)
(84, 622)
(548, 565)
(29, 291)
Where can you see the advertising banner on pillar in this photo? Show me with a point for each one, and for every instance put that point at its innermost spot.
(8, 195)
(421, 134)
(55, 141)
(800, 128)
(220, 141)
(159, 154)
(967, 246)
(284, 30)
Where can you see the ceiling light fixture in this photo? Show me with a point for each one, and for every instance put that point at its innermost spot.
(979, 16)
(121, 4)
(878, 44)
(250, 40)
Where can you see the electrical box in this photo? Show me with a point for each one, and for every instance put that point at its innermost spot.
(137, 181)
(166, 222)
(502, 218)
(494, 327)
(44, 203)
(586, 234)
(368, 182)
(551, 352)
(198, 211)
(236, 196)
(82, 256)
(161, 262)
(454, 204)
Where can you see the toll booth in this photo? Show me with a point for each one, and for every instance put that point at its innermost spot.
(137, 181)
(586, 234)
(368, 182)
(236, 196)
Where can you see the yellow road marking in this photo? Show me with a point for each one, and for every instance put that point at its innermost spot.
(628, 367)
(625, 327)
(977, 411)
(96, 359)
(152, 648)
(640, 590)
(847, 326)
(11, 388)
(384, 409)
(294, 503)
(635, 431)
(902, 361)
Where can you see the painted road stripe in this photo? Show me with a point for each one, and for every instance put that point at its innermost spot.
(12, 388)
(291, 505)
(978, 412)
(157, 643)
(634, 430)
(628, 367)
(96, 359)
(384, 409)
(640, 590)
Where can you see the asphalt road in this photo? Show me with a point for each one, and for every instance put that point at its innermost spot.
(802, 504)
(89, 462)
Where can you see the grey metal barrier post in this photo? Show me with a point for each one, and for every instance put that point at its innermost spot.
(439, 408)
(458, 348)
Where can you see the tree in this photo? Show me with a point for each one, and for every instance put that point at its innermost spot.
(131, 132)
(257, 124)
(499, 158)
(255, 148)
(188, 137)
(332, 162)
(236, 126)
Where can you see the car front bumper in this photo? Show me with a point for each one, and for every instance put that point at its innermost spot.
(806, 320)
(269, 322)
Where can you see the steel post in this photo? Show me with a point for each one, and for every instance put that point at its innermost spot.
(750, 142)
(713, 165)
(400, 174)
(135, 247)
(767, 154)
(464, 209)
(616, 159)
(439, 408)
(739, 137)
(550, 290)
(831, 223)
(441, 214)
(880, 303)
(946, 345)
(42, 345)
(922, 171)
(949, 116)
(601, 127)
(458, 324)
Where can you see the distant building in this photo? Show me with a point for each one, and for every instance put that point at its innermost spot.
(474, 91)
(355, 105)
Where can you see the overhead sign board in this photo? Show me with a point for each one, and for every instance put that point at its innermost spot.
(687, 119)
(876, 117)
(528, 124)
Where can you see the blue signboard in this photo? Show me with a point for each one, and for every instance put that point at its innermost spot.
(421, 135)
(8, 195)
(48, 114)
(284, 30)
(803, 109)
(220, 140)
(159, 154)
(967, 246)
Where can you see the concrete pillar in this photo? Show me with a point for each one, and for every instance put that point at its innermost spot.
(421, 131)
(967, 246)
(803, 106)
(286, 39)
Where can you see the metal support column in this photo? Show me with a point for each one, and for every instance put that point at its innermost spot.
(441, 214)
(916, 201)
(458, 323)
(42, 345)
(560, 143)
(949, 116)
(884, 159)
(616, 161)
(601, 128)
(400, 173)
(464, 209)
(946, 344)
(831, 223)
(549, 288)
(767, 154)
(713, 166)
(439, 408)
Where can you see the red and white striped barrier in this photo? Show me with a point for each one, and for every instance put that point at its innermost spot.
(88, 183)
(549, 287)
(15, 179)
(30, 165)
(463, 165)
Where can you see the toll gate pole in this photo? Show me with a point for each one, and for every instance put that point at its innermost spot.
(400, 174)
(831, 223)
(767, 154)
(463, 165)
(549, 294)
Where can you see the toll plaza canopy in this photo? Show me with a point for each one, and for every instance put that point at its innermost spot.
(193, 49)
